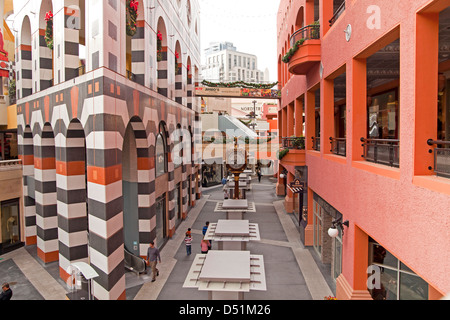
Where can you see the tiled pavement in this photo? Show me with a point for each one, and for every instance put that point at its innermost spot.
(293, 272)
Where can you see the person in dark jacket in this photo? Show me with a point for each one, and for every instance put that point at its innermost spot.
(6, 292)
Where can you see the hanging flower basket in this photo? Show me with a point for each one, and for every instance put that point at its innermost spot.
(132, 14)
(159, 45)
(49, 30)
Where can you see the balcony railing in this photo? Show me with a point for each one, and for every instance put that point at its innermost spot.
(382, 151)
(316, 143)
(339, 146)
(294, 143)
(337, 14)
(10, 165)
(441, 157)
(309, 32)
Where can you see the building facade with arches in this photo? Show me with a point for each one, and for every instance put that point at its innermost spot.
(107, 128)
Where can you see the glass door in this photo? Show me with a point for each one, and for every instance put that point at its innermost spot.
(10, 216)
(317, 228)
(161, 222)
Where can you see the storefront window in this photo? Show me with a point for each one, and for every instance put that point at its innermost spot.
(397, 281)
(318, 228)
(338, 255)
(383, 116)
(10, 223)
(212, 174)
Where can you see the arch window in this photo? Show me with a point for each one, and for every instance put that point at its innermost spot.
(161, 154)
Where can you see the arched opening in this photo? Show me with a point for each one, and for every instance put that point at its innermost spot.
(162, 64)
(24, 61)
(45, 61)
(130, 191)
(299, 22)
(161, 151)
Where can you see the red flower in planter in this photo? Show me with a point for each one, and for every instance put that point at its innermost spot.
(48, 16)
(188, 67)
(159, 36)
(177, 55)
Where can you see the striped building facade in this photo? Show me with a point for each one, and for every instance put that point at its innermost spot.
(88, 145)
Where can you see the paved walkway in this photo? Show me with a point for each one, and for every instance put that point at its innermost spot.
(293, 272)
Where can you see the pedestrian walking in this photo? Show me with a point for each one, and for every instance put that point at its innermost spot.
(205, 246)
(188, 242)
(225, 194)
(258, 172)
(205, 228)
(152, 260)
(6, 292)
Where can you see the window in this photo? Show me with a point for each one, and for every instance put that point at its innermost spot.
(160, 221)
(161, 157)
(396, 281)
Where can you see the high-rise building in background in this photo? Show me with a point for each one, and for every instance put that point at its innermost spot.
(223, 63)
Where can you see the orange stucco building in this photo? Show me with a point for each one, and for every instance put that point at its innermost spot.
(365, 115)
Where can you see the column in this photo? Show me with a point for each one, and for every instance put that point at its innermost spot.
(426, 65)
(359, 103)
(46, 195)
(138, 57)
(289, 200)
(310, 103)
(327, 116)
(291, 120)
(284, 130)
(72, 198)
(105, 203)
(179, 84)
(298, 117)
(26, 154)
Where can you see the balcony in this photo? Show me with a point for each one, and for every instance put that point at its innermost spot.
(305, 50)
(337, 13)
(294, 143)
(316, 143)
(339, 146)
(8, 165)
(382, 151)
(441, 157)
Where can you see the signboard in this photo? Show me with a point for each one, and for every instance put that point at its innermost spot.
(237, 93)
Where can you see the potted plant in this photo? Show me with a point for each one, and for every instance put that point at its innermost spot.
(49, 30)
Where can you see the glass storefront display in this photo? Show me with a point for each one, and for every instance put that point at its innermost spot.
(212, 174)
(160, 221)
(318, 228)
(10, 216)
(396, 280)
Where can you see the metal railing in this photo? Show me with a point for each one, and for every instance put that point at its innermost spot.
(308, 32)
(441, 157)
(294, 143)
(316, 143)
(339, 146)
(10, 164)
(337, 14)
(382, 151)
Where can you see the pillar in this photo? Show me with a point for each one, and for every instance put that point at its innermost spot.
(327, 115)
(284, 130)
(426, 64)
(359, 103)
(291, 121)
(310, 103)
(298, 118)
(289, 200)
(45, 194)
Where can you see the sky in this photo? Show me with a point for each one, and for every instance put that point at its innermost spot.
(251, 25)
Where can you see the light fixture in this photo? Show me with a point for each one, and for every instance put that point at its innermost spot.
(333, 232)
